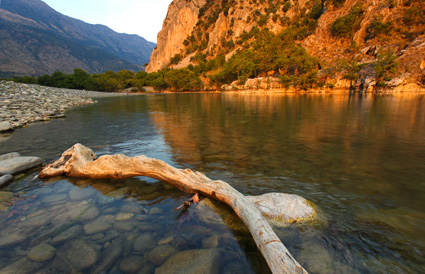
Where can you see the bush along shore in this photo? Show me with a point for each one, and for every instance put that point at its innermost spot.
(23, 104)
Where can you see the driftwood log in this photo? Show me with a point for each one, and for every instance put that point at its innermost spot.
(79, 161)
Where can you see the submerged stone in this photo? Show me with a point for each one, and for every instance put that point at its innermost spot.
(192, 262)
(22, 266)
(109, 256)
(78, 194)
(161, 253)
(124, 216)
(12, 238)
(98, 225)
(68, 234)
(132, 264)
(42, 252)
(144, 243)
(79, 254)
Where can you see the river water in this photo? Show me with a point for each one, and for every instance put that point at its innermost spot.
(360, 160)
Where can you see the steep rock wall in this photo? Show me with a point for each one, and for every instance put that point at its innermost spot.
(181, 19)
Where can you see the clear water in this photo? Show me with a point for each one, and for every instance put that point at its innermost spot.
(361, 160)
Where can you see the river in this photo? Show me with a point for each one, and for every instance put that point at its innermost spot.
(359, 159)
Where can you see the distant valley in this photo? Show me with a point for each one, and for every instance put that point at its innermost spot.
(35, 40)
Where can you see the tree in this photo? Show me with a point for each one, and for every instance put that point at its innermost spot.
(385, 67)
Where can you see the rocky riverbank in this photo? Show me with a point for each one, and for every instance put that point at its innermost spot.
(23, 104)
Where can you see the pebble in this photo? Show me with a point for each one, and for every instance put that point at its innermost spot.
(23, 104)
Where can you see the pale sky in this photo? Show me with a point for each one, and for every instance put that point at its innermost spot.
(141, 17)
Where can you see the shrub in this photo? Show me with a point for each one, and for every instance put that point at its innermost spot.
(346, 26)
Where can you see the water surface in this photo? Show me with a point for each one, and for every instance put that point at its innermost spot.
(361, 160)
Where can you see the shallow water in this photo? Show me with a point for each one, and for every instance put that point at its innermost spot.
(361, 160)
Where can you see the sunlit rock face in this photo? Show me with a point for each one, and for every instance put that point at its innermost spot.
(180, 21)
(221, 27)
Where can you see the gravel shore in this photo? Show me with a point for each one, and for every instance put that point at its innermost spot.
(23, 104)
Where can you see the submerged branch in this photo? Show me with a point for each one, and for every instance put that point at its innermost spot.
(79, 161)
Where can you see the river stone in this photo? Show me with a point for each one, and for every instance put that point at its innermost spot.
(68, 234)
(5, 178)
(192, 262)
(145, 226)
(283, 208)
(22, 266)
(79, 254)
(12, 238)
(54, 198)
(5, 197)
(144, 243)
(213, 213)
(5, 126)
(124, 216)
(211, 242)
(9, 156)
(123, 226)
(42, 252)
(132, 264)
(109, 256)
(78, 194)
(166, 240)
(15, 165)
(98, 225)
(161, 253)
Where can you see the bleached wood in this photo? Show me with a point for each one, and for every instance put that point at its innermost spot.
(79, 161)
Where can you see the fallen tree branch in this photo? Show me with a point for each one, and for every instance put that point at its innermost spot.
(79, 161)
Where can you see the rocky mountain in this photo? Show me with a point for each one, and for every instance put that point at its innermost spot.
(35, 39)
(357, 33)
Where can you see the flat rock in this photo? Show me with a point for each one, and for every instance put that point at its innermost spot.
(5, 126)
(42, 252)
(15, 165)
(5, 178)
(192, 262)
(282, 207)
(79, 254)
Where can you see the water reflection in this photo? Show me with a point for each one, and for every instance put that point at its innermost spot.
(361, 159)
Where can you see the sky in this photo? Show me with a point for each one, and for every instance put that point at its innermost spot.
(141, 17)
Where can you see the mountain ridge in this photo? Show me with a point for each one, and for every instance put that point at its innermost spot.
(20, 20)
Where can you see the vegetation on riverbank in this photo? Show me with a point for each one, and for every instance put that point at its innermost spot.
(269, 55)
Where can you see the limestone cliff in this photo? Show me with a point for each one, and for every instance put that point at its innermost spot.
(331, 30)
(181, 18)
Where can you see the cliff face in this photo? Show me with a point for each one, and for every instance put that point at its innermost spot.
(331, 30)
(181, 19)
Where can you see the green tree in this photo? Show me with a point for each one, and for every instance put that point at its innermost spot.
(385, 67)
